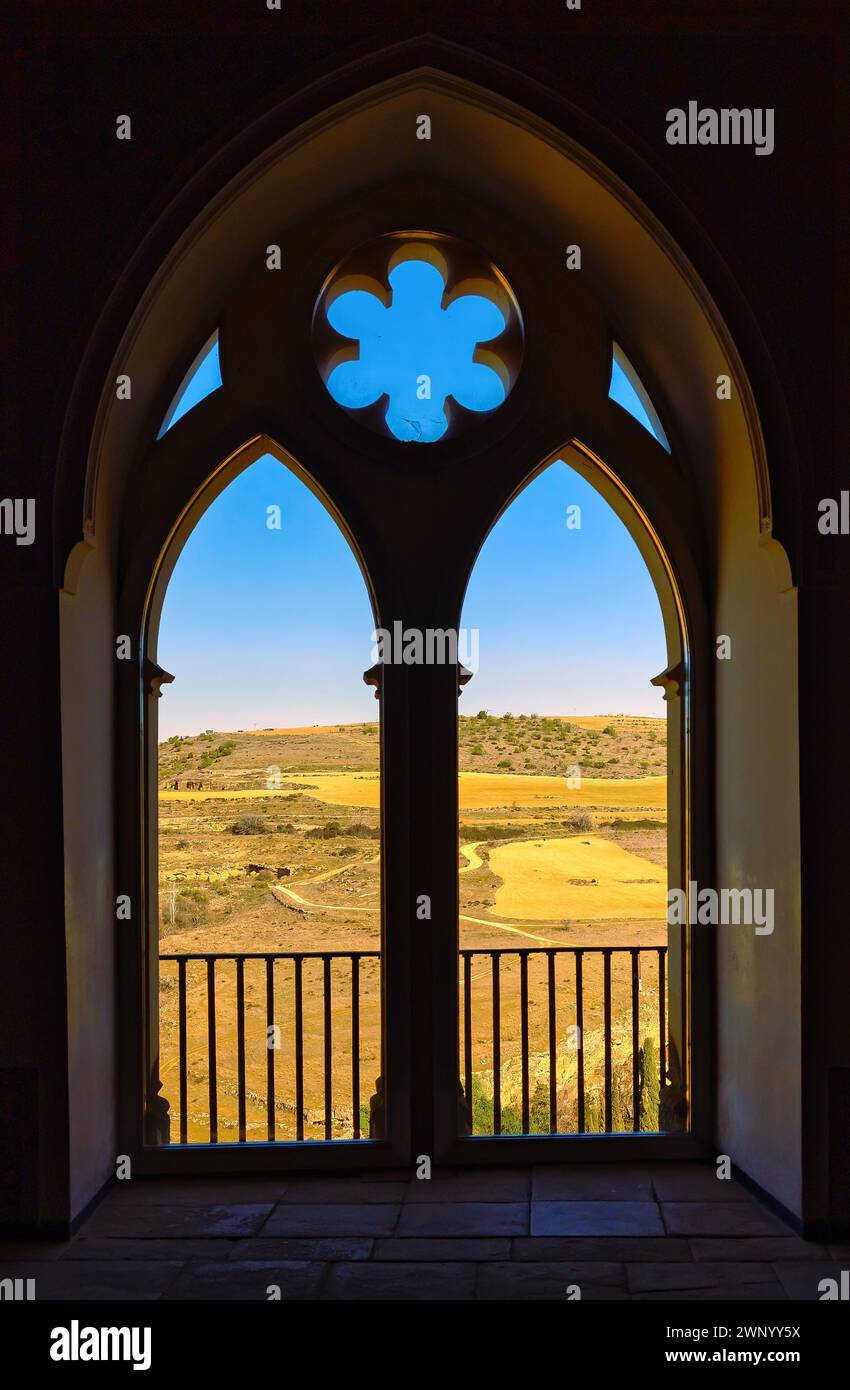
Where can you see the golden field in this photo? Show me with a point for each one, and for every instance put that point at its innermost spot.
(540, 864)
(477, 791)
(581, 876)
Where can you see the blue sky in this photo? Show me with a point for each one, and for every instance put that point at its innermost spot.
(268, 627)
(203, 377)
(416, 352)
(264, 627)
(569, 620)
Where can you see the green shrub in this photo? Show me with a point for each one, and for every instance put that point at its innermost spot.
(649, 1086)
(192, 907)
(619, 824)
(328, 831)
(249, 825)
(594, 1106)
(511, 1115)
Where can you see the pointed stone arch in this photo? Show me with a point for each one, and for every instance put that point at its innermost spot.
(501, 156)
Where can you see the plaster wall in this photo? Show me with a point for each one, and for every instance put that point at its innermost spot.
(668, 324)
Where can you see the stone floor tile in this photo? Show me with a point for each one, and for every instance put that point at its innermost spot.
(318, 1248)
(578, 1182)
(178, 1221)
(335, 1219)
(768, 1248)
(246, 1280)
(196, 1191)
(595, 1219)
(695, 1182)
(743, 1293)
(463, 1219)
(801, 1280)
(549, 1280)
(135, 1248)
(98, 1279)
(720, 1219)
(342, 1191)
(653, 1278)
(386, 1174)
(474, 1185)
(444, 1248)
(36, 1250)
(584, 1248)
(411, 1281)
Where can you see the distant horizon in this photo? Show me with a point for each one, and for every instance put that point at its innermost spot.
(271, 626)
(462, 714)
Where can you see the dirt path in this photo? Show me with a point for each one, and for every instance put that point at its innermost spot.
(515, 931)
(332, 873)
(469, 851)
(281, 893)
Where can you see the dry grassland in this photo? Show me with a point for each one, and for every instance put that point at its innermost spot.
(548, 884)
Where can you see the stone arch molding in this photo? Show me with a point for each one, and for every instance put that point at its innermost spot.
(495, 172)
(495, 153)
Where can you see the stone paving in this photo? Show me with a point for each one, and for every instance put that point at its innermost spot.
(618, 1232)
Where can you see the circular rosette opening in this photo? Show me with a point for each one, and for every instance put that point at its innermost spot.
(418, 335)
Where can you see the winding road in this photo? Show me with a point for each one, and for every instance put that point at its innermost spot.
(469, 851)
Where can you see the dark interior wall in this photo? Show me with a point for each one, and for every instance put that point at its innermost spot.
(189, 74)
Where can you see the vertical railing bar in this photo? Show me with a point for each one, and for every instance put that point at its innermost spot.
(240, 1043)
(662, 1021)
(495, 955)
(606, 954)
(580, 1038)
(355, 1044)
(523, 985)
(181, 1008)
(553, 1048)
(299, 1049)
(326, 989)
(213, 1077)
(497, 1048)
(467, 1029)
(270, 1038)
(635, 1040)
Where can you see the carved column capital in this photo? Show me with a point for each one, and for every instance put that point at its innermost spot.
(375, 676)
(671, 681)
(155, 677)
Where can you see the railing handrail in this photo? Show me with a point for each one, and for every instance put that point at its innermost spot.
(551, 950)
(349, 955)
(268, 955)
(330, 985)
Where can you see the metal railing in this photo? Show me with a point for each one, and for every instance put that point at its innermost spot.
(569, 995)
(297, 958)
(580, 954)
